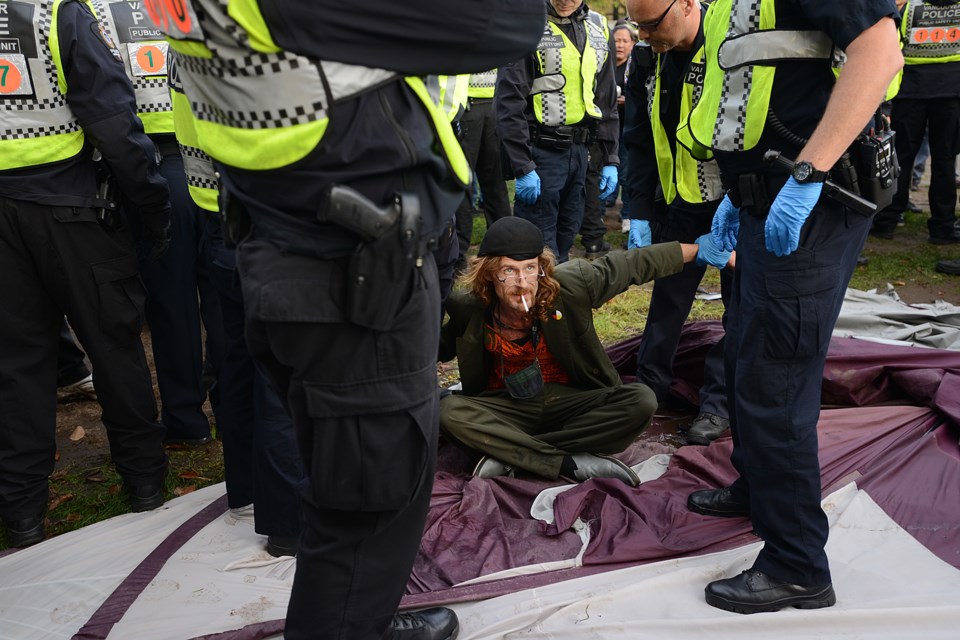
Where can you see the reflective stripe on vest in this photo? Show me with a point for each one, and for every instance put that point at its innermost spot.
(201, 175)
(38, 126)
(732, 110)
(930, 34)
(256, 106)
(144, 53)
(563, 90)
(680, 173)
(453, 95)
(482, 85)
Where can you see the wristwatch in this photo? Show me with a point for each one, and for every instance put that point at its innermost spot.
(804, 173)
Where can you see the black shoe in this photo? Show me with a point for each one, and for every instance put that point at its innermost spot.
(883, 234)
(279, 546)
(26, 532)
(862, 260)
(913, 207)
(145, 496)
(718, 503)
(954, 238)
(951, 267)
(187, 442)
(755, 592)
(706, 428)
(438, 623)
(598, 250)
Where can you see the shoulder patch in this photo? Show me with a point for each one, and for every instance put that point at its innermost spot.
(101, 35)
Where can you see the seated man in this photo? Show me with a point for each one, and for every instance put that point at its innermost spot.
(539, 392)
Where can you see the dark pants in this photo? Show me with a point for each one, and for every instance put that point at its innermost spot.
(482, 148)
(558, 211)
(780, 319)
(670, 305)
(57, 261)
(364, 406)
(71, 367)
(593, 228)
(174, 312)
(260, 457)
(535, 434)
(911, 117)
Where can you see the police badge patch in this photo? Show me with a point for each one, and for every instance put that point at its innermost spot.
(107, 42)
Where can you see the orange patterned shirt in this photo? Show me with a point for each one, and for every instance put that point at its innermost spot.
(518, 356)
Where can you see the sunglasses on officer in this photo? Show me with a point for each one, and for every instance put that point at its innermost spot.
(650, 27)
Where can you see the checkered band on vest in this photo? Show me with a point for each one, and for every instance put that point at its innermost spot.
(199, 167)
(484, 80)
(45, 113)
(554, 103)
(729, 133)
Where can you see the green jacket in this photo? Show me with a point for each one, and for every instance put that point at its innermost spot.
(569, 331)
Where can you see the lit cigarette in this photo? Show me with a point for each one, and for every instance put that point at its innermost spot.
(525, 307)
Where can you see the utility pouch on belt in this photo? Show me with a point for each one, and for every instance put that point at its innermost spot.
(380, 271)
(874, 157)
(234, 219)
(753, 194)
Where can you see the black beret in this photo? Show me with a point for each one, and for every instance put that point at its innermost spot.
(512, 237)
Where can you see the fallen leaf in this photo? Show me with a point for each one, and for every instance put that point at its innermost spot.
(95, 477)
(180, 491)
(900, 283)
(79, 433)
(59, 500)
(56, 456)
(73, 517)
(114, 489)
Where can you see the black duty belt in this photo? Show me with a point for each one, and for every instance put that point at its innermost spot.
(562, 137)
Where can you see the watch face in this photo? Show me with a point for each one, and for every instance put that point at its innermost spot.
(802, 171)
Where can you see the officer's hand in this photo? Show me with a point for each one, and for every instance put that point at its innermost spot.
(608, 181)
(640, 235)
(711, 253)
(726, 225)
(788, 213)
(156, 228)
(528, 188)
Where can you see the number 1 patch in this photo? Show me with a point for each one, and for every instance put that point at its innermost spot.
(148, 58)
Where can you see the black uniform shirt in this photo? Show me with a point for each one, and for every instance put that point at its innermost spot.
(102, 98)
(801, 88)
(514, 105)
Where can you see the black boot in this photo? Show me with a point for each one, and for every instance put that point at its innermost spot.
(438, 623)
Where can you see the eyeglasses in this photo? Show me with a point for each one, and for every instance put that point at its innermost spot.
(531, 273)
(650, 27)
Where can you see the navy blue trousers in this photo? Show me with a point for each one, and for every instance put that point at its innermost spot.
(260, 457)
(558, 211)
(670, 305)
(781, 315)
(174, 312)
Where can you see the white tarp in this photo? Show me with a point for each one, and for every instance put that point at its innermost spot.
(884, 318)
(888, 586)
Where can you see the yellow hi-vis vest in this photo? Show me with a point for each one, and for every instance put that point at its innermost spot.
(742, 48)
(144, 52)
(482, 85)
(453, 95)
(930, 34)
(201, 175)
(563, 91)
(696, 181)
(38, 126)
(258, 107)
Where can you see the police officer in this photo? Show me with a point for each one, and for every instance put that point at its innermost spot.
(674, 191)
(796, 251)
(929, 96)
(481, 145)
(261, 463)
(63, 90)
(173, 281)
(339, 177)
(550, 105)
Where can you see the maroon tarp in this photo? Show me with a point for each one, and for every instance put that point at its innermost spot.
(906, 457)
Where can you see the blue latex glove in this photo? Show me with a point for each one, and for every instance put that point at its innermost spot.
(528, 188)
(726, 225)
(711, 253)
(788, 212)
(640, 235)
(608, 181)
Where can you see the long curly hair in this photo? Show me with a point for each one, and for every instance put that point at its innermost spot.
(479, 276)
